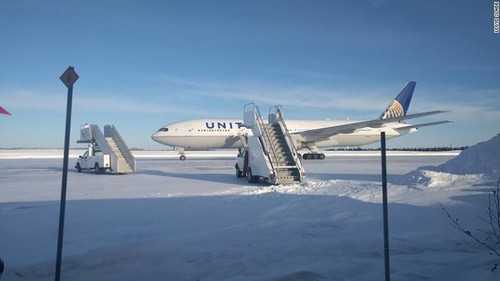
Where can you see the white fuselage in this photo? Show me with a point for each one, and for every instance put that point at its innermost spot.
(200, 134)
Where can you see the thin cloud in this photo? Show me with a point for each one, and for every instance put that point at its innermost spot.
(484, 106)
(360, 100)
(467, 104)
(298, 96)
(26, 99)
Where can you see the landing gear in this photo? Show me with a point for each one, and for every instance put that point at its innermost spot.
(313, 156)
(182, 156)
(313, 153)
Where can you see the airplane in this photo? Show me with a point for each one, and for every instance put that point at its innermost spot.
(204, 134)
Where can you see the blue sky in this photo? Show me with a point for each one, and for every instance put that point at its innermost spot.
(143, 64)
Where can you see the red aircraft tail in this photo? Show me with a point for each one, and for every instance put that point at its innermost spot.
(3, 111)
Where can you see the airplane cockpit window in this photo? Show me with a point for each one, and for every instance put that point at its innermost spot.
(163, 130)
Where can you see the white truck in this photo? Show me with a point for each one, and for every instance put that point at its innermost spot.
(94, 159)
(253, 164)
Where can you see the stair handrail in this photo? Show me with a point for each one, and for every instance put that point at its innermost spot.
(278, 115)
(267, 140)
(98, 139)
(281, 121)
(268, 149)
(111, 131)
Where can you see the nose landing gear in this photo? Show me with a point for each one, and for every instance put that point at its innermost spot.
(182, 154)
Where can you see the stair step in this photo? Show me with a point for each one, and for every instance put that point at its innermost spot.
(281, 155)
(283, 158)
(122, 165)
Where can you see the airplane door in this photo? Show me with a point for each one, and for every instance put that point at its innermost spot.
(188, 129)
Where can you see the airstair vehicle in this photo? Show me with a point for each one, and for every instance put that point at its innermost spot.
(106, 152)
(270, 152)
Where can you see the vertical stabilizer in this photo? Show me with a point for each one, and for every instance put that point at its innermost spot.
(3, 111)
(400, 105)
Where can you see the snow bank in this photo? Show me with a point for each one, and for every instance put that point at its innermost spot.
(478, 163)
(440, 188)
(435, 179)
(360, 190)
(482, 158)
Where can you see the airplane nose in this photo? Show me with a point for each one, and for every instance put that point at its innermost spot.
(155, 136)
(160, 135)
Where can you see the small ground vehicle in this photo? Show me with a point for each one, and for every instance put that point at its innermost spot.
(94, 159)
(253, 166)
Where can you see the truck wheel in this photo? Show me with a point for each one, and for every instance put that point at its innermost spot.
(97, 170)
(78, 168)
(239, 173)
(251, 178)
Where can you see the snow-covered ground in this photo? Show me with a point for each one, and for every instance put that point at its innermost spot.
(194, 220)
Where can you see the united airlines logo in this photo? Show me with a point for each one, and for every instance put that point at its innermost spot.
(223, 125)
(395, 109)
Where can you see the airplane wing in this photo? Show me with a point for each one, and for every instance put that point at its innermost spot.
(422, 125)
(321, 134)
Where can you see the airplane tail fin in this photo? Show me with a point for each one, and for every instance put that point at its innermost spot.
(3, 111)
(399, 106)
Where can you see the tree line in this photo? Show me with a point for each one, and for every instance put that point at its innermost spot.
(437, 149)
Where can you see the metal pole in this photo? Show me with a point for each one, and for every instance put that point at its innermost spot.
(64, 184)
(385, 210)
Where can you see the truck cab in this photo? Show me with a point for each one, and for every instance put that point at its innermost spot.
(241, 165)
(93, 159)
(252, 163)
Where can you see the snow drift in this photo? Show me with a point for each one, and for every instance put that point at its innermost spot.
(482, 158)
(477, 163)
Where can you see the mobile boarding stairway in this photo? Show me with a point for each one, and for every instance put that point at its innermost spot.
(110, 145)
(270, 153)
